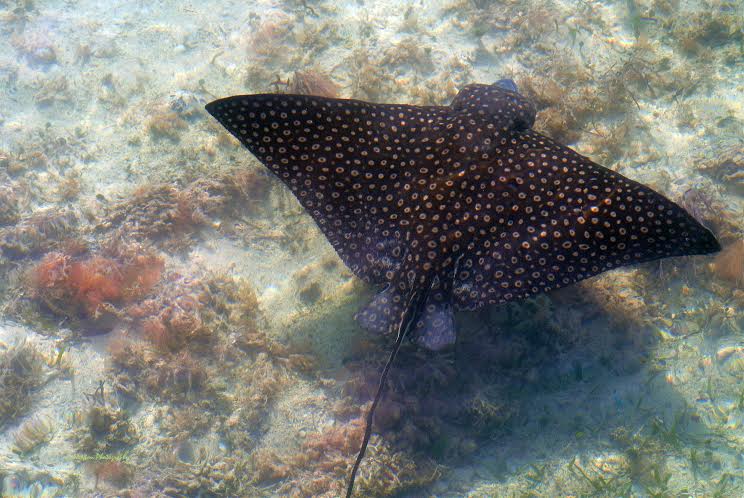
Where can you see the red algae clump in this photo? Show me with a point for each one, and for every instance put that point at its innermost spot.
(729, 263)
(84, 286)
(114, 472)
(339, 438)
(312, 82)
(93, 282)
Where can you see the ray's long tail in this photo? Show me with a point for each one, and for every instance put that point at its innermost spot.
(416, 301)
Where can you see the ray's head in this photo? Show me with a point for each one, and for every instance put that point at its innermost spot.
(507, 84)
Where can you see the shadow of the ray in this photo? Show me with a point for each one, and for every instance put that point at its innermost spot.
(548, 379)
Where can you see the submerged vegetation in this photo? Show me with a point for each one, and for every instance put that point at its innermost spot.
(32, 433)
(22, 371)
(104, 429)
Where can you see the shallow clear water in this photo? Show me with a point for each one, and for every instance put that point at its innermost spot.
(174, 323)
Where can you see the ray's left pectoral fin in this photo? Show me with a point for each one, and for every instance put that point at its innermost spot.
(435, 327)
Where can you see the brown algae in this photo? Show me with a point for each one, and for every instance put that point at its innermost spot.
(22, 371)
(34, 432)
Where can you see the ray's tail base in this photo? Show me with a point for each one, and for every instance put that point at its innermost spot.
(407, 319)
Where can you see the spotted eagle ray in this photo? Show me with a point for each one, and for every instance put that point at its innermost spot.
(454, 207)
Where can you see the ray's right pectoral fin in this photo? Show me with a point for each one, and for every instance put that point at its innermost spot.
(435, 327)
